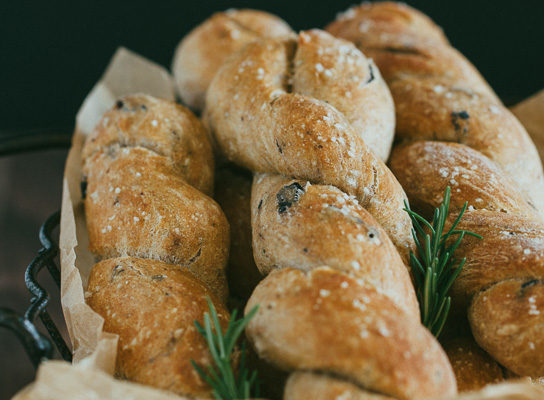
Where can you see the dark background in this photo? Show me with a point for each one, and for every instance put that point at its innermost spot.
(51, 54)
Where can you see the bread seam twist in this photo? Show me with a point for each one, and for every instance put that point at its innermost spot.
(440, 99)
(277, 107)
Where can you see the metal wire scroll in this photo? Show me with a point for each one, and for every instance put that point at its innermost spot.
(38, 346)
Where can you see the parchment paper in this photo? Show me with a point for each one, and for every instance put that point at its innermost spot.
(95, 350)
(127, 73)
(531, 114)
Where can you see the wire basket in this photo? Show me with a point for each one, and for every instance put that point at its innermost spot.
(38, 346)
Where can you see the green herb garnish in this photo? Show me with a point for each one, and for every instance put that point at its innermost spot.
(434, 268)
(225, 382)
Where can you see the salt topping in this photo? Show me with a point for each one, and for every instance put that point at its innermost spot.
(117, 190)
(494, 109)
(384, 331)
(235, 34)
(364, 26)
(324, 293)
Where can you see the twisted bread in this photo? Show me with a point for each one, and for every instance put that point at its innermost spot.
(326, 320)
(502, 279)
(438, 94)
(278, 107)
(162, 242)
(152, 306)
(200, 54)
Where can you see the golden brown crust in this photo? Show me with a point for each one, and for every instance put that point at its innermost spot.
(473, 367)
(302, 315)
(304, 226)
(438, 94)
(310, 385)
(472, 177)
(512, 312)
(513, 237)
(265, 118)
(512, 247)
(152, 306)
(233, 193)
(137, 204)
(161, 126)
(164, 243)
(202, 52)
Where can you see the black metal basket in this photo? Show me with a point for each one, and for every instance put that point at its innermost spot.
(38, 346)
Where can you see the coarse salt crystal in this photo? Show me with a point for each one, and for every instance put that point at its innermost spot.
(324, 293)
(319, 67)
(117, 190)
(384, 331)
(494, 109)
(154, 122)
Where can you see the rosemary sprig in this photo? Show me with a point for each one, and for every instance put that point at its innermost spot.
(225, 382)
(435, 269)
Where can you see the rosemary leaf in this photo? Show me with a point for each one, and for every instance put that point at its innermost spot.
(226, 383)
(434, 267)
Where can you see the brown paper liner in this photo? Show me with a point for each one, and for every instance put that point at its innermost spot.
(90, 376)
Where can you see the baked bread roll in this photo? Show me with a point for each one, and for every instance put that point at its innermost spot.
(140, 198)
(473, 367)
(494, 166)
(152, 306)
(200, 54)
(162, 242)
(438, 94)
(328, 321)
(315, 386)
(504, 316)
(304, 226)
(278, 108)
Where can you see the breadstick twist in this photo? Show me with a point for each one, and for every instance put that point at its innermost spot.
(493, 166)
(163, 244)
(200, 54)
(438, 93)
(337, 299)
